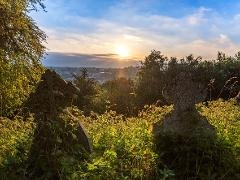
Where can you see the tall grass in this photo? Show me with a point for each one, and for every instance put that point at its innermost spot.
(124, 147)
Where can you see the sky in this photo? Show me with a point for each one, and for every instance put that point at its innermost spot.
(89, 32)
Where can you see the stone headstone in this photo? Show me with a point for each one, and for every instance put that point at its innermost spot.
(55, 134)
(184, 92)
(52, 95)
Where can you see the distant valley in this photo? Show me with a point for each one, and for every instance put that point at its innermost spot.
(99, 74)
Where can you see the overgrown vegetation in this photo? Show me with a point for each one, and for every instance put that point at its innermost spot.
(125, 149)
(119, 116)
(15, 142)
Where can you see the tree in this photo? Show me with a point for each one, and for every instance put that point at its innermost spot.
(151, 78)
(221, 76)
(88, 96)
(21, 50)
(120, 95)
(226, 73)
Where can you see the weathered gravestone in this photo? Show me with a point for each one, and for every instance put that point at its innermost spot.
(185, 141)
(184, 120)
(58, 133)
(51, 96)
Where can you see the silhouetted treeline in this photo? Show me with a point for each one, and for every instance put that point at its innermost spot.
(221, 78)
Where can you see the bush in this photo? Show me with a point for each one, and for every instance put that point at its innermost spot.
(225, 116)
(120, 95)
(15, 142)
(123, 148)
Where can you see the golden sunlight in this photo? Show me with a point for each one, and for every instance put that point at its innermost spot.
(122, 51)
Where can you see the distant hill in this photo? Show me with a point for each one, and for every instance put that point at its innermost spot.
(99, 74)
(54, 59)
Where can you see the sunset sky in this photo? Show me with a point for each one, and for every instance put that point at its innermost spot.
(126, 30)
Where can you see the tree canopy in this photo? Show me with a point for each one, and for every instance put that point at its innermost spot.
(221, 76)
(21, 50)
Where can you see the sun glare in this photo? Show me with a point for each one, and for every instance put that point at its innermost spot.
(122, 51)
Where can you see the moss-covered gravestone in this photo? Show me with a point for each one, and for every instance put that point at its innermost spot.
(60, 141)
(184, 120)
(184, 139)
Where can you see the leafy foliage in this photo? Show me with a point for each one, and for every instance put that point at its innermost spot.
(90, 95)
(221, 76)
(125, 149)
(225, 76)
(15, 142)
(226, 117)
(150, 82)
(20, 52)
(120, 96)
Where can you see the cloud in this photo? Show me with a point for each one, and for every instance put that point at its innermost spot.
(237, 17)
(199, 17)
(208, 48)
(202, 31)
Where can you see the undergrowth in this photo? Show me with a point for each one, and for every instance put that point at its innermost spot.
(123, 148)
(15, 142)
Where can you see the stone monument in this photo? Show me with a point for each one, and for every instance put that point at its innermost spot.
(184, 92)
(58, 133)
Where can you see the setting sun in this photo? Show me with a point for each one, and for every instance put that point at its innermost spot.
(122, 51)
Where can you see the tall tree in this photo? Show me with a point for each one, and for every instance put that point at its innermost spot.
(120, 95)
(151, 78)
(87, 90)
(21, 50)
